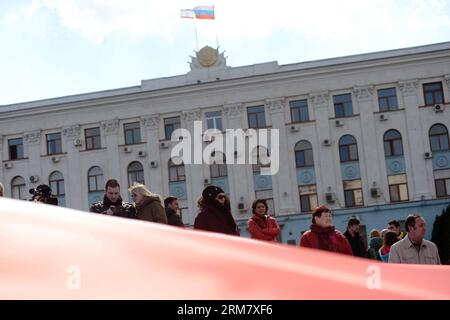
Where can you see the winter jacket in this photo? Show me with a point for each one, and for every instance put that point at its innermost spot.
(173, 218)
(357, 244)
(374, 245)
(151, 210)
(121, 208)
(327, 239)
(216, 218)
(263, 228)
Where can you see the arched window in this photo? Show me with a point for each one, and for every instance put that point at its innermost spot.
(393, 143)
(303, 154)
(348, 149)
(96, 180)
(18, 188)
(176, 172)
(56, 181)
(135, 173)
(218, 167)
(439, 138)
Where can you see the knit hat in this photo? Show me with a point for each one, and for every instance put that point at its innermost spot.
(211, 192)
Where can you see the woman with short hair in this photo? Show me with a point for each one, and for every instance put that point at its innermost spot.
(323, 235)
(261, 225)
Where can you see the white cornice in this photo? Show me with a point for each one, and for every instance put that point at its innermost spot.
(284, 72)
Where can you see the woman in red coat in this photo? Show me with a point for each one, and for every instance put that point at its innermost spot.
(323, 235)
(262, 226)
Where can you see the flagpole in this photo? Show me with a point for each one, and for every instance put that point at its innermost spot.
(195, 28)
(215, 27)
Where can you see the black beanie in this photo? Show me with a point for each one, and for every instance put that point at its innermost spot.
(211, 192)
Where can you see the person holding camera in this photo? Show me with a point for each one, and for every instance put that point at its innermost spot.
(43, 194)
(112, 203)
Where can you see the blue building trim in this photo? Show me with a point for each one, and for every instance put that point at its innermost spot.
(178, 189)
(261, 182)
(441, 160)
(306, 176)
(395, 165)
(350, 171)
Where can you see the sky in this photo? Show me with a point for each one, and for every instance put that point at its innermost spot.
(54, 48)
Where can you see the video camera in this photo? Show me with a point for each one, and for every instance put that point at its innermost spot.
(43, 193)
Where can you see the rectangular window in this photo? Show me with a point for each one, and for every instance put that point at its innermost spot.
(299, 110)
(268, 196)
(15, 147)
(170, 125)
(398, 188)
(433, 93)
(442, 187)
(256, 117)
(176, 173)
(214, 120)
(353, 193)
(308, 198)
(343, 106)
(93, 139)
(54, 145)
(387, 99)
(132, 133)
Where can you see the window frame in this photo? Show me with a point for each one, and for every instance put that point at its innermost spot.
(135, 172)
(17, 147)
(134, 139)
(53, 142)
(58, 182)
(95, 176)
(387, 99)
(215, 120)
(390, 142)
(260, 117)
(172, 126)
(18, 187)
(92, 139)
(447, 191)
(346, 148)
(439, 137)
(177, 168)
(299, 110)
(345, 105)
(433, 93)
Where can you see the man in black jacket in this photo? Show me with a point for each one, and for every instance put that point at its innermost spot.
(172, 206)
(112, 203)
(353, 237)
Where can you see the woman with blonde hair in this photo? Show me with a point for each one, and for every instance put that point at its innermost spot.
(148, 205)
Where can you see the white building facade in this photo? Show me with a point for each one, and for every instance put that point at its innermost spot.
(366, 135)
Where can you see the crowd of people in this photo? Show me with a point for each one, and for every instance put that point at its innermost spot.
(214, 214)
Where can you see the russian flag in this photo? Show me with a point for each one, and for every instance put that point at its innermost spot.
(204, 12)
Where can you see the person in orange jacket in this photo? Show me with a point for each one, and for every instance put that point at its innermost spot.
(262, 226)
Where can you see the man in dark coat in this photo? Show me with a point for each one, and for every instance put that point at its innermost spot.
(353, 237)
(173, 218)
(112, 203)
(215, 212)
